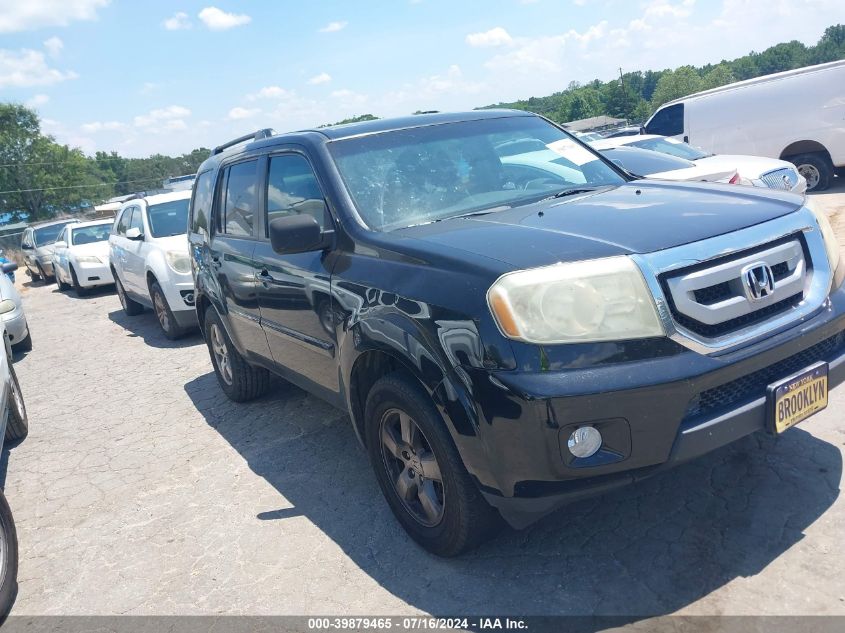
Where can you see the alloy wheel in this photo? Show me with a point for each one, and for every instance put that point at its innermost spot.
(161, 312)
(412, 467)
(811, 174)
(221, 354)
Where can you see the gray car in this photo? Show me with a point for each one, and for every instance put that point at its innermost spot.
(37, 246)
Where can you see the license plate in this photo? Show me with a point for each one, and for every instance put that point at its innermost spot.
(796, 398)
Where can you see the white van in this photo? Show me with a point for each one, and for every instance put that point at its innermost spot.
(797, 115)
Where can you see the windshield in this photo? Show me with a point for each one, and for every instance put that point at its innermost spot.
(90, 234)
(671, 146)
(168, 218)
(644, 162)
(48, 234)
(419, 175)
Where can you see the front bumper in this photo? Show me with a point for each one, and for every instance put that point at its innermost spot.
(16, 325)
(90, 275)
(655, 414)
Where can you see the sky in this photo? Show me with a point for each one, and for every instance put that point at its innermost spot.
(154, 76)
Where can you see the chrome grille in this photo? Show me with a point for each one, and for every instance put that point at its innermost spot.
(785, 178)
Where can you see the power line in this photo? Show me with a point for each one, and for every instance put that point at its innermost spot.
(102, 184)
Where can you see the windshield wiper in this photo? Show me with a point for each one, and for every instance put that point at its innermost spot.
(572, 191)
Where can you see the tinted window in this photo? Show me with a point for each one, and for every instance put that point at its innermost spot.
(48, 234)
(292, 189)
(240, 198)
(168, 218)
(414, 176)
(89, 234)
(671, 146)
(644, 162)
(201, 203)
(123, 222)
(668, 121)
(137, 219)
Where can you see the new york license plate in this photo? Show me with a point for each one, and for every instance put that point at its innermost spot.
(796, 398)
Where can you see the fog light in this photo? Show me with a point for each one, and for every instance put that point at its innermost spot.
(585, 441)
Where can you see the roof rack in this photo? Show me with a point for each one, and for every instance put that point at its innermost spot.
(255, 136)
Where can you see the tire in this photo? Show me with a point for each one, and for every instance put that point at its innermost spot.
(17, 426)
(63, 285)
(816, 168)
(80, 291)
(164, 314)
(42, 275)
(464, 520)
(130, 306)
(9, 562)
(25, 344)
(238, 379)
(32, 275)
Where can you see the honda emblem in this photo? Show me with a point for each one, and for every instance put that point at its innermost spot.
(758, 281)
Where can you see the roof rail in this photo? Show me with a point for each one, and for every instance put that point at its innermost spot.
(255, 136)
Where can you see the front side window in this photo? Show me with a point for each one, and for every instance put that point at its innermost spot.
(62, 236)
(136, 221)
(168, 218)
(201, 202)
(123, 221)
(292, 189)
(89, 234)
(240, 199)
(667, 122)
(48, 234)
(672, 147)
(405, 177)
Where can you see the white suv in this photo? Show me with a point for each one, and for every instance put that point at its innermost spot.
(149, 260)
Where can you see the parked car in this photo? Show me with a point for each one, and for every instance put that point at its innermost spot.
(15, 427)
(630, 130)
(753, 170)
(794, 115)
(37, 245)
(588, 136)
(5, 260)
(506, 345)
(12, 313)
(149, 260)
(81, 256)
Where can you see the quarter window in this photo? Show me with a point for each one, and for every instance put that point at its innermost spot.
(292, 189)
(240, 199)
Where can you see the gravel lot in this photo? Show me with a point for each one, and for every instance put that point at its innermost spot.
(142, 490)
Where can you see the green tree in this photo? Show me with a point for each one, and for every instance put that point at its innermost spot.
(720, 75)
(674, 84)
(780, 57)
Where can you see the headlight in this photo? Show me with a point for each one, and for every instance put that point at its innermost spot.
(831, 243)
(178, 261)
(594, 300)
(7, 305)
(88, 259)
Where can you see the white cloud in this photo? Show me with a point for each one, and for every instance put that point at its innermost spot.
(322, 78)
(99, 126)
(494, 37)
(37, 100)
(334, 27)
(269, 92)
(23, 15)
(218, 20)
(239, 113)
(170, 117)
(54, 46)
(179, 21)
(26, 67)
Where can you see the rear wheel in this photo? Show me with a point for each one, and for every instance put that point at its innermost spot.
(420, 471)
(164, 314)
(816, 169)
(17, 426)
(238, 379)
(8, 558)
(130, 306)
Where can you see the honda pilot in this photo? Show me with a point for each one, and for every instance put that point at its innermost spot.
(509, 335)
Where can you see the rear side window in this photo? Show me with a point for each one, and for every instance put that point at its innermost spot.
(292, 189)
(201, 203)
(667, 122)
(239, 200)
(123, 222)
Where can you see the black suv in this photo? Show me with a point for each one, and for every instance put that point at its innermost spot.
(510, 320)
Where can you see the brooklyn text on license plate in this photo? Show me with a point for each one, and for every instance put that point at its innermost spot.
(796, 398)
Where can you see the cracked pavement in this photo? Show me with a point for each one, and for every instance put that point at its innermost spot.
(142, 490)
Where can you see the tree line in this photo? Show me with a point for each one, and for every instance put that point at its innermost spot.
(41, 178)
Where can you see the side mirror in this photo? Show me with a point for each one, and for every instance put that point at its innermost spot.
(642, 129)
(26, 247)
(134, 234)
(60, 244)
(297, 234)
(9, 267)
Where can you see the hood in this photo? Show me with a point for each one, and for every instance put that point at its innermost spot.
(638, 217)
(177, 243)
(751, 167)
(97, 249)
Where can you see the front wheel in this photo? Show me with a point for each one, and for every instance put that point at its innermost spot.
(8, 558)
(164, 314)
(80, 291)
(130, 306)
(17, 426)
(63, 285)
(238, 379)
(42, 275)
(420, 471)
